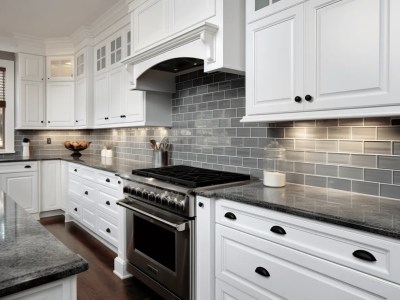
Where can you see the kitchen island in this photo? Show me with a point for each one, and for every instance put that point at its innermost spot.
(32, 261)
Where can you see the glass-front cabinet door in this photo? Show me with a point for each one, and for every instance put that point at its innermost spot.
(257, 9)
(60, 68)
(115, 45)
(100, 57)
(80, 65)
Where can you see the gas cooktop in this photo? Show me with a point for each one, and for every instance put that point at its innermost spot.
(191, 177)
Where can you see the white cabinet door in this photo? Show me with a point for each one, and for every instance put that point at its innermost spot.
(60, 104)
(352, 53)
(64, 185)
(23, 188)
(150, 23)
(187, 13)
(100, 57)
(60, 68)
(31, 112)
(116, 95)
(133, 106)
(101, 94)
(80, 102)
(80, 64)
(31, 67)
(50, 185)
(274, 56)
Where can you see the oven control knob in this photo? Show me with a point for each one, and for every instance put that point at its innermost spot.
(127, 189)
(152, 196)
(173, 202)
(145, 194)
(181, 205)
(158, 198)
(165, 200)
(133, 191)
(139, 192)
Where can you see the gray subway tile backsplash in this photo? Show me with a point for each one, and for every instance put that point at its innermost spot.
(360, 155)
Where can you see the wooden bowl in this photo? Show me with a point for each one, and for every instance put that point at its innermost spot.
(76, 147)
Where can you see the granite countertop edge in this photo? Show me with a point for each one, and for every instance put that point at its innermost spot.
(39, 278)
(354, 224)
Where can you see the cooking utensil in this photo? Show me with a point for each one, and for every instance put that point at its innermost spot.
(153, 144)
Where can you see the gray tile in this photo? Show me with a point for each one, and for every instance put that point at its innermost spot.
(396, 148)
(378, 121)
(317, 157)
(327, 123)
(351, 122)
(285, 124)
(390, 191)
(250, 162)
(236, 161)
(275, 132)
(328, 146)
(258, 132)
(364, 187)
(339, 184)
(295, 155)
(305, 168)
(316, 181)
(350, 172)
(326, 170)
(360, 160)
(243, 132)
(389, 162)
(351, 146)
(396, 177)
(304, 145)
(338, 158)
(377, 147)
(339, 133)
(389, 133)
(243, 152)
(317, 133)
(297, 133)
(363, 133)
(250, 142)
(295, 178)
(376, 175)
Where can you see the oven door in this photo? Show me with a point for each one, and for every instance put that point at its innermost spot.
(159, 245)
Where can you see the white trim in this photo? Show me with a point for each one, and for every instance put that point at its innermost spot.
(9, 110)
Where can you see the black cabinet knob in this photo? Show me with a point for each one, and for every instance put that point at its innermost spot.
(119, 182)
(108, 180)
(201, 204)
(308, 98)
(108, 203)
(262, 271)
(48, 121)
(76, 121)
(278, 230)
(230, 216)
(75, 209)
(364, 255)
(42, 122)
(75, 170)
(108, 230)
(297, 99)
(27, 167)
(86, 193)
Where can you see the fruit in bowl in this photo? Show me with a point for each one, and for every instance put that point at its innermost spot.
(76, 147)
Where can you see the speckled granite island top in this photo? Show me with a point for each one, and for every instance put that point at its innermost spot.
(368, 213)
(29, 254)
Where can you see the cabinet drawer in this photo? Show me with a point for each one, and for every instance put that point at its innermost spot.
(109, 180)
(18, 167)
(107, 204)
(74, 209)
(89, 192)
(88, 216)
(266, 269)
(333, 243)
(107, 228)
(81, 171)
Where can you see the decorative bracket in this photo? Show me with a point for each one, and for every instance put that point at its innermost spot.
(208, 37)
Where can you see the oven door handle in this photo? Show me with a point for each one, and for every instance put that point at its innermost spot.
(178, 227)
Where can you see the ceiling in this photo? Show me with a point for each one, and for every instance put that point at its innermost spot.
(49, 18)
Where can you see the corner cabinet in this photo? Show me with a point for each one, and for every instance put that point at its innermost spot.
(277, 249)
(322, 59)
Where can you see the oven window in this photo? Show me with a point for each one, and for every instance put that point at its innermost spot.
(155, 242)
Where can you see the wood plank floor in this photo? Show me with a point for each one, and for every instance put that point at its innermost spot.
(99, 282)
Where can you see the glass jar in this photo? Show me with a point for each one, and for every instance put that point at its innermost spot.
(274, 164)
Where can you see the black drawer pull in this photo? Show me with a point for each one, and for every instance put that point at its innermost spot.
(119, 182)
(75, 209)
(364, 255)
(278, 230)
(201, 205)
(108, 203)
(108, 180)
(108, 230)
(75, 170)
(28, 167)
(86, 193)
(230, 215)
(262, 271)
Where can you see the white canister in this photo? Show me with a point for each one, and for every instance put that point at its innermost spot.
(25, 149)
(274, 165)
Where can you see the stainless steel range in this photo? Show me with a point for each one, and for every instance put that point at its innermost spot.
(161, 224)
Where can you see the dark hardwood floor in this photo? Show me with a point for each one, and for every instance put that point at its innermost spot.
(99, 282)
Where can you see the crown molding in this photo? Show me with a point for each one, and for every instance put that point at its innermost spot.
(82, 37)
(29, 44)
(8, 43)
(59, 46)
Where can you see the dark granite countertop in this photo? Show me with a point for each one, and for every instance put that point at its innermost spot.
(367, 213)
(114, 165)
(29, 254)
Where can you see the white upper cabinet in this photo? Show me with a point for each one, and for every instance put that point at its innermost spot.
(80, 63)
(115, 50)
(31, 67)
(101, 99)
(60, 104)
(100, 57)
(189, 12)
(323, 59)
(60, 68)
(30, 108)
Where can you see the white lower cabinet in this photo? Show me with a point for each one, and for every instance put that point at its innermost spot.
(92, 198)
(255, 253)
(50, 185)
